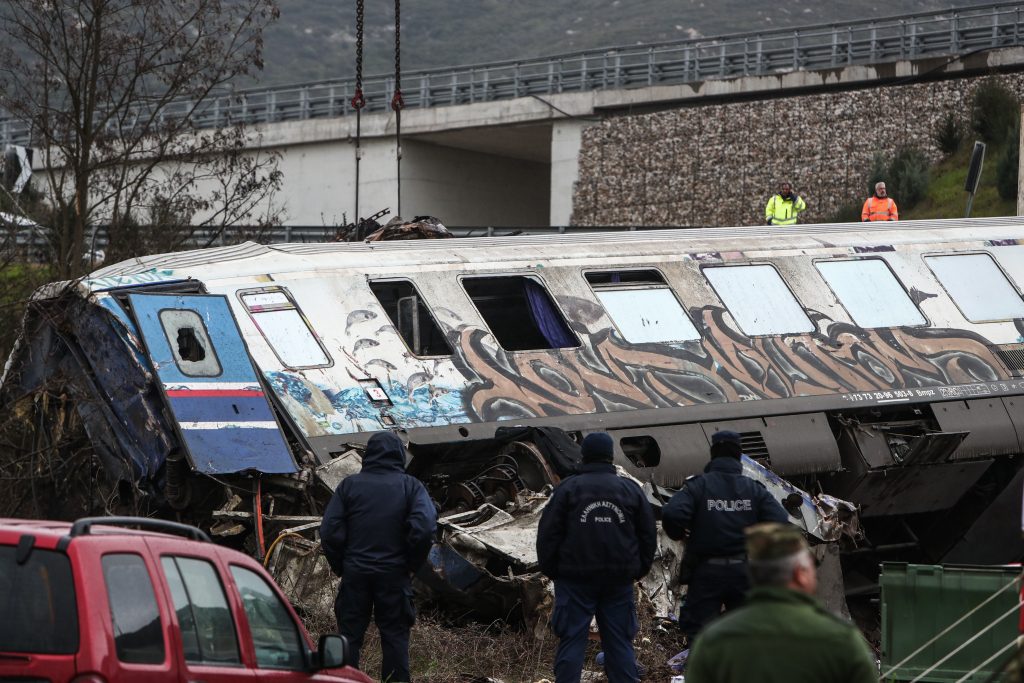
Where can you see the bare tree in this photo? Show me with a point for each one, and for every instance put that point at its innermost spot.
(112, 90)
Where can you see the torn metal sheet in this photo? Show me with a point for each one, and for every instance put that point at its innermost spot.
(824, 517)
(348, 463)
(661, 585)
(301, 570)
(514, 537)
(493, 552)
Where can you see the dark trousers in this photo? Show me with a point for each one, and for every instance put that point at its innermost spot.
(711, 588)
(389, 598)
(575, 605)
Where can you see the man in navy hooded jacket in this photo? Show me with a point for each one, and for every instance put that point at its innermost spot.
(376, 532)
(595, 538)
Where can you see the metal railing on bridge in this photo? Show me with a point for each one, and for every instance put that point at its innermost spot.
(934, 34)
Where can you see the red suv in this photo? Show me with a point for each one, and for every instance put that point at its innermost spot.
(95, 601)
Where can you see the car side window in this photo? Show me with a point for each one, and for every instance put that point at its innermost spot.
(274, 634)
(138, 633)
(207, 628)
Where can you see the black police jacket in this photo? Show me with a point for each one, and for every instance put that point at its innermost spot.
(716, 507)
(596, 528)
(380, 521)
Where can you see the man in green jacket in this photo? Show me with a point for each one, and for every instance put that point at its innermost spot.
(783, 207)
(782, 634)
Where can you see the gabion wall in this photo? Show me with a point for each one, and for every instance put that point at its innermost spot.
(718, 164)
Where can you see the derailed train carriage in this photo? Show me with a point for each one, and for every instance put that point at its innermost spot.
(881, 364)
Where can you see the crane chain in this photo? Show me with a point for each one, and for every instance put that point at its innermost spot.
(397, 102)
(358, 99)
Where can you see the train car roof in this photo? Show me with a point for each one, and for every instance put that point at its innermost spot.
(251, 259)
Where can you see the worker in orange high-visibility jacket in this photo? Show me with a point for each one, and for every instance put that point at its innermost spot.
(879, 207)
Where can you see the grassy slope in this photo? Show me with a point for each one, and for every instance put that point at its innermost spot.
(946, 197)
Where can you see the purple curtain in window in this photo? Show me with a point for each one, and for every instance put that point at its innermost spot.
(546, 318)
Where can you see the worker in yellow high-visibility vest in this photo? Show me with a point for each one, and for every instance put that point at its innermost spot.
(783, 207)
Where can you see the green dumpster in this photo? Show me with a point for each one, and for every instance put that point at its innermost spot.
(921, 601)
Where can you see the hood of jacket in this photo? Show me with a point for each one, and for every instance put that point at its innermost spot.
(725, 465)
(384, 453)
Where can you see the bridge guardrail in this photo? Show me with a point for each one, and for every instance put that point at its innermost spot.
(940, 33)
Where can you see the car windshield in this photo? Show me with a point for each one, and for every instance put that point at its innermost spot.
(37, 601)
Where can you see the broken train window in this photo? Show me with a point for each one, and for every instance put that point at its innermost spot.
(190, 342)
(642, 306)
(411, 317)
(286, 330)
(519, 312)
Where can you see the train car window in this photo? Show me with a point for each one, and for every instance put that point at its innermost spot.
(642, 307)
(870, 292)
(624, 277)
(758, 299)
(977, 286)
(411, 317)
(284, 327)
(520, 313)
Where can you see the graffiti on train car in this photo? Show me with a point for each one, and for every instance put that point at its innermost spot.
(607, 374)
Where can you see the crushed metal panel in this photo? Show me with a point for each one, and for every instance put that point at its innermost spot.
(866, 443)
(89, 351)
(824, 517)
(345, 465)
(831, 590)
(910, 490)
(302, 572)
(660, 585)
(514, 537)
(990, 428)
(931, 449)
(224, 417)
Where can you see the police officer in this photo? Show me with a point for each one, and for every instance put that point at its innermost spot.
(376, 532)
(782, 634)
(715, 508)
(595, 538)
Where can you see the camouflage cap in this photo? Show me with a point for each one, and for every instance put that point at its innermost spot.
(773, 541)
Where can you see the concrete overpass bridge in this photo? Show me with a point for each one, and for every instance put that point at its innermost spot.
(498, 144)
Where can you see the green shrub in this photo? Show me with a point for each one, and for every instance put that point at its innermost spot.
(848, 212)
(1008, 165)
(949, 134)
(905, 176)
(879, 172)
(994, 111)
(907, 181)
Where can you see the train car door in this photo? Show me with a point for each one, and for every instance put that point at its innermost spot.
(210, 384)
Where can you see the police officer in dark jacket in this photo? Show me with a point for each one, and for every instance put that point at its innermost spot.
(595, 538)
(376, 532)
(715, 508)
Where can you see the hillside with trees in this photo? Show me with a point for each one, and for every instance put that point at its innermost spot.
(315, 39)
